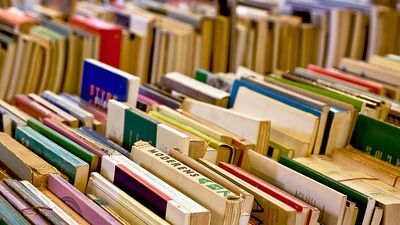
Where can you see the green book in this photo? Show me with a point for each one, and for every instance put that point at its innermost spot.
(364, 203)
(9, 215)
(74, 168)
(202, 75)
(67, 144)
(377, 138)
(358, 104)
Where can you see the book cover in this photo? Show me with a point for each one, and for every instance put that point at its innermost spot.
(377, 138)
(81, 204)
(110, 36)
(70, 165)
(101, 82)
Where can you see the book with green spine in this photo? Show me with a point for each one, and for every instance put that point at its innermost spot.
(377, 138)
(74, 168)
(67, 144)
(364, 203)
(9, 215)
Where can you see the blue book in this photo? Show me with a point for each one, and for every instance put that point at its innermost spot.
(101, 82)
(74, 168)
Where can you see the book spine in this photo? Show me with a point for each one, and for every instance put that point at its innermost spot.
(21, 205)
(78, 201)
(9, 215)
(34, 109)
(35, 202)
(43, 147)
(158, 97)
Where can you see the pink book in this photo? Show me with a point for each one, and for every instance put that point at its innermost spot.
(81, 204)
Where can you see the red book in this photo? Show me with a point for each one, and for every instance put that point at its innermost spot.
(372, 86)
(110, 37)
(61, 129)
(21, 205)
(34, 109)
(81, 204)
(269, 189)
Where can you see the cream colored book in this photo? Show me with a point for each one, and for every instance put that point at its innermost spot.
(249, 128)
(225, 206)
(23, 162)
(331, 203)
(194, 213)
(122, 203)
(294, 122)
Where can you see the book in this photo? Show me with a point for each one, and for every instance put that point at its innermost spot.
(8, 48)
(121, 202)
(34, 109)
(101, 82)
(9, 215)
(35, 201)
(20, 204)
(195, 89)
(282, 118)
(307, 214)
(114, 169)
(159, 97)
(110, 37)
(78, 201)
(127, 125)
(376, 138)
(364, 203)
(66, 143)
(24, 163)
(60, 206)
(224, 206)
(74, 168)
(331, 203)
(103, 205)
(256, 131)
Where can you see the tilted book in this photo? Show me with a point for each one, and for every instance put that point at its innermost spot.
(74, 168)
(224, 206)
(9, 215)
(101, 82)
(23, 162)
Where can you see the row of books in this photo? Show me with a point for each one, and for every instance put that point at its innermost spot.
(169, 158)
(42, 52)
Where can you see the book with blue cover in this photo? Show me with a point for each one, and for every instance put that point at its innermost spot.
(101, 82)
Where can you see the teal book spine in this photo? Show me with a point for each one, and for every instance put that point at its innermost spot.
(138, 127)
(58, 157)
(355, 196)
(9, 215)
(377, 138)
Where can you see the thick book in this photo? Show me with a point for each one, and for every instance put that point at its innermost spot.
(291, 121)
(110, 37)
(9, 215)
(252, 129)
(85, 118)
(21, 205)
(224, 206)
(70, 165)
(35, 201)
(364, 203)
(66, 143)
(195, 89)
(377, 138)
(81, 204)
(307, 214)
(101, 82)
(23, 162)
(121, 202)
(331, 203)
(127, 125)
(176, 208)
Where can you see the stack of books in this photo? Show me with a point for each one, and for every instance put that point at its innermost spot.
(125, 115)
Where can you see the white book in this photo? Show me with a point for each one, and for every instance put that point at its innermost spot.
(122, 203)
(331, 203)
(294, 122)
